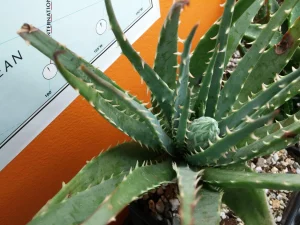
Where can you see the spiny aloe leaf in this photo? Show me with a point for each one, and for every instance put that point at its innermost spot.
(166, 58)
(241, 8)
(182, 130)
(76, 209)
(235, 83)
(182, 99)
(237, 179)
(239, 27)
(203, 51)
(207, 210)
(163, 94)
(294, 14)
(240, 200)
(139, 181)
(205, 85)
(113, 161)
(271, 62)
(215, 151)
(266, 130)
(254, 31)
(165, 64)
(258, 101)
(188, 187)
(279, 99)
(130, 126)
(275, 141)
(48, 46)
(219, 65)
(143, 113)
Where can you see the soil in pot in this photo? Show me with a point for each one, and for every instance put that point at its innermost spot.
(158, 207)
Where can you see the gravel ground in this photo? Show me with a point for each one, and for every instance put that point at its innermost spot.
(279, 162)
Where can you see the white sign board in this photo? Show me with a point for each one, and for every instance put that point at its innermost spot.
(32, 92)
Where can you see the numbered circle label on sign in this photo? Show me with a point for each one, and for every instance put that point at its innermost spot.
(101, 27)
(50, 71)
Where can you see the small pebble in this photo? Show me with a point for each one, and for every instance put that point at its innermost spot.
(269, 161)
(279, 218)
(272, 195)
(279, 197)
(164, 199)
(275, 157)
(226, 210)
(276, 204)
(260, 162)
(290, 161)
(160, 207)
(174, 203)
(274, 170)
(258, 169)
(160, 191)
(169, 192)
(152, 205)
(223, 215)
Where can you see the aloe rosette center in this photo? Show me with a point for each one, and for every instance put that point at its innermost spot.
(202, 131)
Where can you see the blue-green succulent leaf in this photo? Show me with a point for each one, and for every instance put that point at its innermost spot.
(237, 179)
(207, 210)
(160, 90)
(219, 65)
(182, 99)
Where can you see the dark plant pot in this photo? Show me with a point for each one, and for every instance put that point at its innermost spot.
(294, 151)
(291, 215)
(137, 216)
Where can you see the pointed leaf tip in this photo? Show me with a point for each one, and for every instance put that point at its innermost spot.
(27, 28)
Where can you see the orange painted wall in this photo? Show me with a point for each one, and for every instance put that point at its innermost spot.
(79, 133)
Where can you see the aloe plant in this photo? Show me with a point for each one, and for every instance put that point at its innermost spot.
(199, 130)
